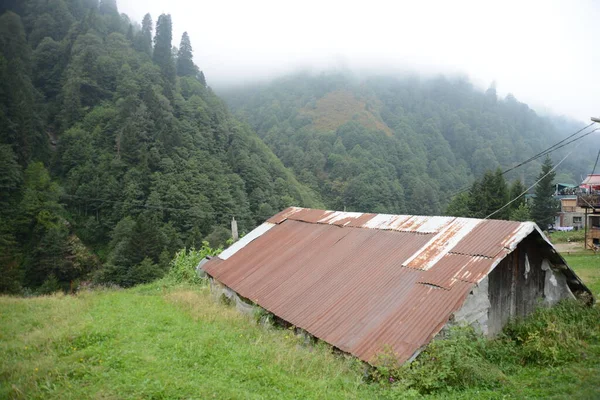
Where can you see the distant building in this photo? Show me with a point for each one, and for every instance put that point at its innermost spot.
(369, 283)
(570, 215)
(588, 198)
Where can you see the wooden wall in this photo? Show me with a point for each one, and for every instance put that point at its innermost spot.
(513, 290)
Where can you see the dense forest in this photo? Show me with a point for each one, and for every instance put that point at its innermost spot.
(114, 152)
(401, 144)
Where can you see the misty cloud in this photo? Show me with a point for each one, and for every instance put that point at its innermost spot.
(542, 52)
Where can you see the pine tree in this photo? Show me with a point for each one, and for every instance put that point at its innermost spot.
(516, 188)
(20, 124)
(488, 196)
(544, 206)
(108, 7)
(185, 62)
(162, 47)
(143, 40)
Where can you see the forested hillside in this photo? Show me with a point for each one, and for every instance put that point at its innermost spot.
(114, 152)
(401, 145)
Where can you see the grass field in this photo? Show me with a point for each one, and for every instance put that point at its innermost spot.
(567, 236)
(175, 342)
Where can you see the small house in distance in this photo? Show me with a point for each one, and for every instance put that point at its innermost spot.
(588, 198)
(369, 282)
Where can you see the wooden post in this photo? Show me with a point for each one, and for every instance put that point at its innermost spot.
(585, 228)
(234, 230)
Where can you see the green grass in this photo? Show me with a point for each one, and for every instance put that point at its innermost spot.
(175, 342)
(587, 266)
(567, 236)
(151, 342)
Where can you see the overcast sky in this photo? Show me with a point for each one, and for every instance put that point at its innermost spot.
(544, 52)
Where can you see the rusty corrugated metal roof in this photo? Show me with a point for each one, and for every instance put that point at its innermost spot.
(365, 281)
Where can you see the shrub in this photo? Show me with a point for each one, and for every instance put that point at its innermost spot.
(465, 359)
(456, 362)
(183, 266)
(552, 336)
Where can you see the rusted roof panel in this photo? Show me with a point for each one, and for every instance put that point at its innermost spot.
(487, 239)
(282, 215)
(336, 283)
(450, 235)
(309, 215)
(414, 322)
(459, 267)
(365, 281)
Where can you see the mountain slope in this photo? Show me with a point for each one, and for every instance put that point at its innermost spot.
(110, 141)
(401, 145)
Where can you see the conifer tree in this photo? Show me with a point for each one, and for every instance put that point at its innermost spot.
(185, 62)
(544, 205)
(108, 7)
(144, 38)
(488, 196)
(162, 47)
(516, 188)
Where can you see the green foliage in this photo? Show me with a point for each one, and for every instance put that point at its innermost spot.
(89, 345)
(143, 39)
(398, 145)
(154, 342)
(544, 206)
(567, 236)
(554, 336)
(522, 213)
(140, 162)
(488, 196)
(453, 363)
(465, 360)
(162, 47)
(185, 61)
(183, 266)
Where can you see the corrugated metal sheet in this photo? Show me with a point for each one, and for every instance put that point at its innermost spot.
(459, 267)
(487, 238)
(381, 280)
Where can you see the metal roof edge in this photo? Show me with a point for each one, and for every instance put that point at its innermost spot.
(243, 242)
(557, 254)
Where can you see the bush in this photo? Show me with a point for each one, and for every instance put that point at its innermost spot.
(183, 265)
(465, 359)
(552, 336)
(144, 272)
(456, 362)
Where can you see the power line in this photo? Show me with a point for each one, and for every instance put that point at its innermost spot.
(596, 163)
(538, 181)
(551, 148)
(540, 154)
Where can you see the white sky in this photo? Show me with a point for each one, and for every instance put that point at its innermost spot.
(544, 52)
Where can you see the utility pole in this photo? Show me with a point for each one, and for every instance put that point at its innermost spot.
(234, 230)
(585, 227)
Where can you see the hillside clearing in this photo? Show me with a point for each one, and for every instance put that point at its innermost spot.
(176, 342)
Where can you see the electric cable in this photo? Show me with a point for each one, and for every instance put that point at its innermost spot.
(538, 181)
(540, 154)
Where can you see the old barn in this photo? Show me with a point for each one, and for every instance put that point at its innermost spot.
(367, 282)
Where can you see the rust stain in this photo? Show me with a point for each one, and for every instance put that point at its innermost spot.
(364, 281)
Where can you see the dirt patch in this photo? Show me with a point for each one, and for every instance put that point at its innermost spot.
(336, 108)
(569, 247)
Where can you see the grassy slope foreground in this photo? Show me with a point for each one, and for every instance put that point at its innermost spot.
(176, 342)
